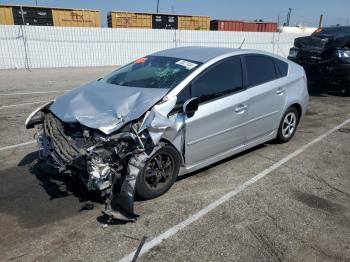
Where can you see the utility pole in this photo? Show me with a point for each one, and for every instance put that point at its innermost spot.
(36, 2)
(288, 16)
(157, 6)
(321, 20)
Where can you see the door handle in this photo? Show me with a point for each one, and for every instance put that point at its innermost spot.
(280, 91)
(241, 108)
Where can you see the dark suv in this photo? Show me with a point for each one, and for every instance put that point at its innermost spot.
(327, 53)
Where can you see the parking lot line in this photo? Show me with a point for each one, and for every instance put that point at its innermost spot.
(173, 230)
(18, 145)
(35, 92)
(24, 104)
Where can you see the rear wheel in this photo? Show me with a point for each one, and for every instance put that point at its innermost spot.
(288, 125)
(159, 173)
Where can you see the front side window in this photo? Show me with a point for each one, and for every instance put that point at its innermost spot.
(260, 69)
(182, 97)
(221, 79)
(152, 72)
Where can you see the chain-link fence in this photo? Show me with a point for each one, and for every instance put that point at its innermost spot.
(45, 47)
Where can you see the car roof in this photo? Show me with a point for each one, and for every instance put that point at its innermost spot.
(196, 53)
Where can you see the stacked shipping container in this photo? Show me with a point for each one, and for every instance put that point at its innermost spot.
(117, 19)
(33, 15)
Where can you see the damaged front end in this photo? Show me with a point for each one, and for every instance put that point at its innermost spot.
(108, 163)
(326, 53)
(101, 161)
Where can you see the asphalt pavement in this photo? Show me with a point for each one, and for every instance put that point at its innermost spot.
(299, 210)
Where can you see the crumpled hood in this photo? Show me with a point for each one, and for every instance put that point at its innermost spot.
(105, 106)
(322, 42)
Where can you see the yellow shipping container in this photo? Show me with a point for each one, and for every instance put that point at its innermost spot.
(76, 17)
(193, 22)
(6, 16)
(129, 19)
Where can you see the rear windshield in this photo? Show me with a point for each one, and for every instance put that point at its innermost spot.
(336, 30)
(152, 72)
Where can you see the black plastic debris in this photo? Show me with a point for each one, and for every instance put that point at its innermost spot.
(86, 207)
(137, 253)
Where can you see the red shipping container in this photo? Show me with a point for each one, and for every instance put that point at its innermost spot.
(226, 25)
(250, 27)
(267, 27)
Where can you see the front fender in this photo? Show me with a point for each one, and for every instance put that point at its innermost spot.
(34, 117)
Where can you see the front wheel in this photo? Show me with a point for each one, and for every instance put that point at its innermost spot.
(159, 173)
(288, 125)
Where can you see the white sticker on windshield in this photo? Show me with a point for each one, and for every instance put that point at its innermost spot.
(189, 65)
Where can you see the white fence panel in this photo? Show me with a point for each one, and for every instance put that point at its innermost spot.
(44, 47)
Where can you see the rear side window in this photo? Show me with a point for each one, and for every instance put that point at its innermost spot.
(223, 78)
(260, 69)
(282, 67)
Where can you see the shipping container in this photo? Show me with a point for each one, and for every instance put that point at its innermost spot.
(76, 17)
(226, 25)
(55, 16)
(250, 27)
(160, 21)
(32, 16)
(129, 19)
(188, 22)
(267, 26)
(6, 15)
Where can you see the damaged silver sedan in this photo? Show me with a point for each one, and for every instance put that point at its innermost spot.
(170, 113)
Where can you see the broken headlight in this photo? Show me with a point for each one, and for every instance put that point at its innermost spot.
(343, 53)
(37, 116)
(293, 52)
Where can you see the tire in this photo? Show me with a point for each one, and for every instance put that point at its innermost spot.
(288, 125)
(156, 179)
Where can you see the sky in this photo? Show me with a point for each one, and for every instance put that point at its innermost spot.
(305, 12)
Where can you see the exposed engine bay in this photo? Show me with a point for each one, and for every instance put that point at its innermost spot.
(108, 163)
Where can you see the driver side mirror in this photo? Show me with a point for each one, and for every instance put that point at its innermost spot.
(191, 106)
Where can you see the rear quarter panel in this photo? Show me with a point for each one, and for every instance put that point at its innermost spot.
(296, 88)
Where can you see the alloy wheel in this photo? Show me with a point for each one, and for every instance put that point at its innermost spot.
(159, 171)
(289, 124)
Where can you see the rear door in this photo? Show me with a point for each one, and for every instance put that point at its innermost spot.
(267, 95)
(218, 125)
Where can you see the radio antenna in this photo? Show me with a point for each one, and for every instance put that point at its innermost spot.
(241, 44)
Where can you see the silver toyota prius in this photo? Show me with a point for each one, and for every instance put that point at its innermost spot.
(170, 113)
